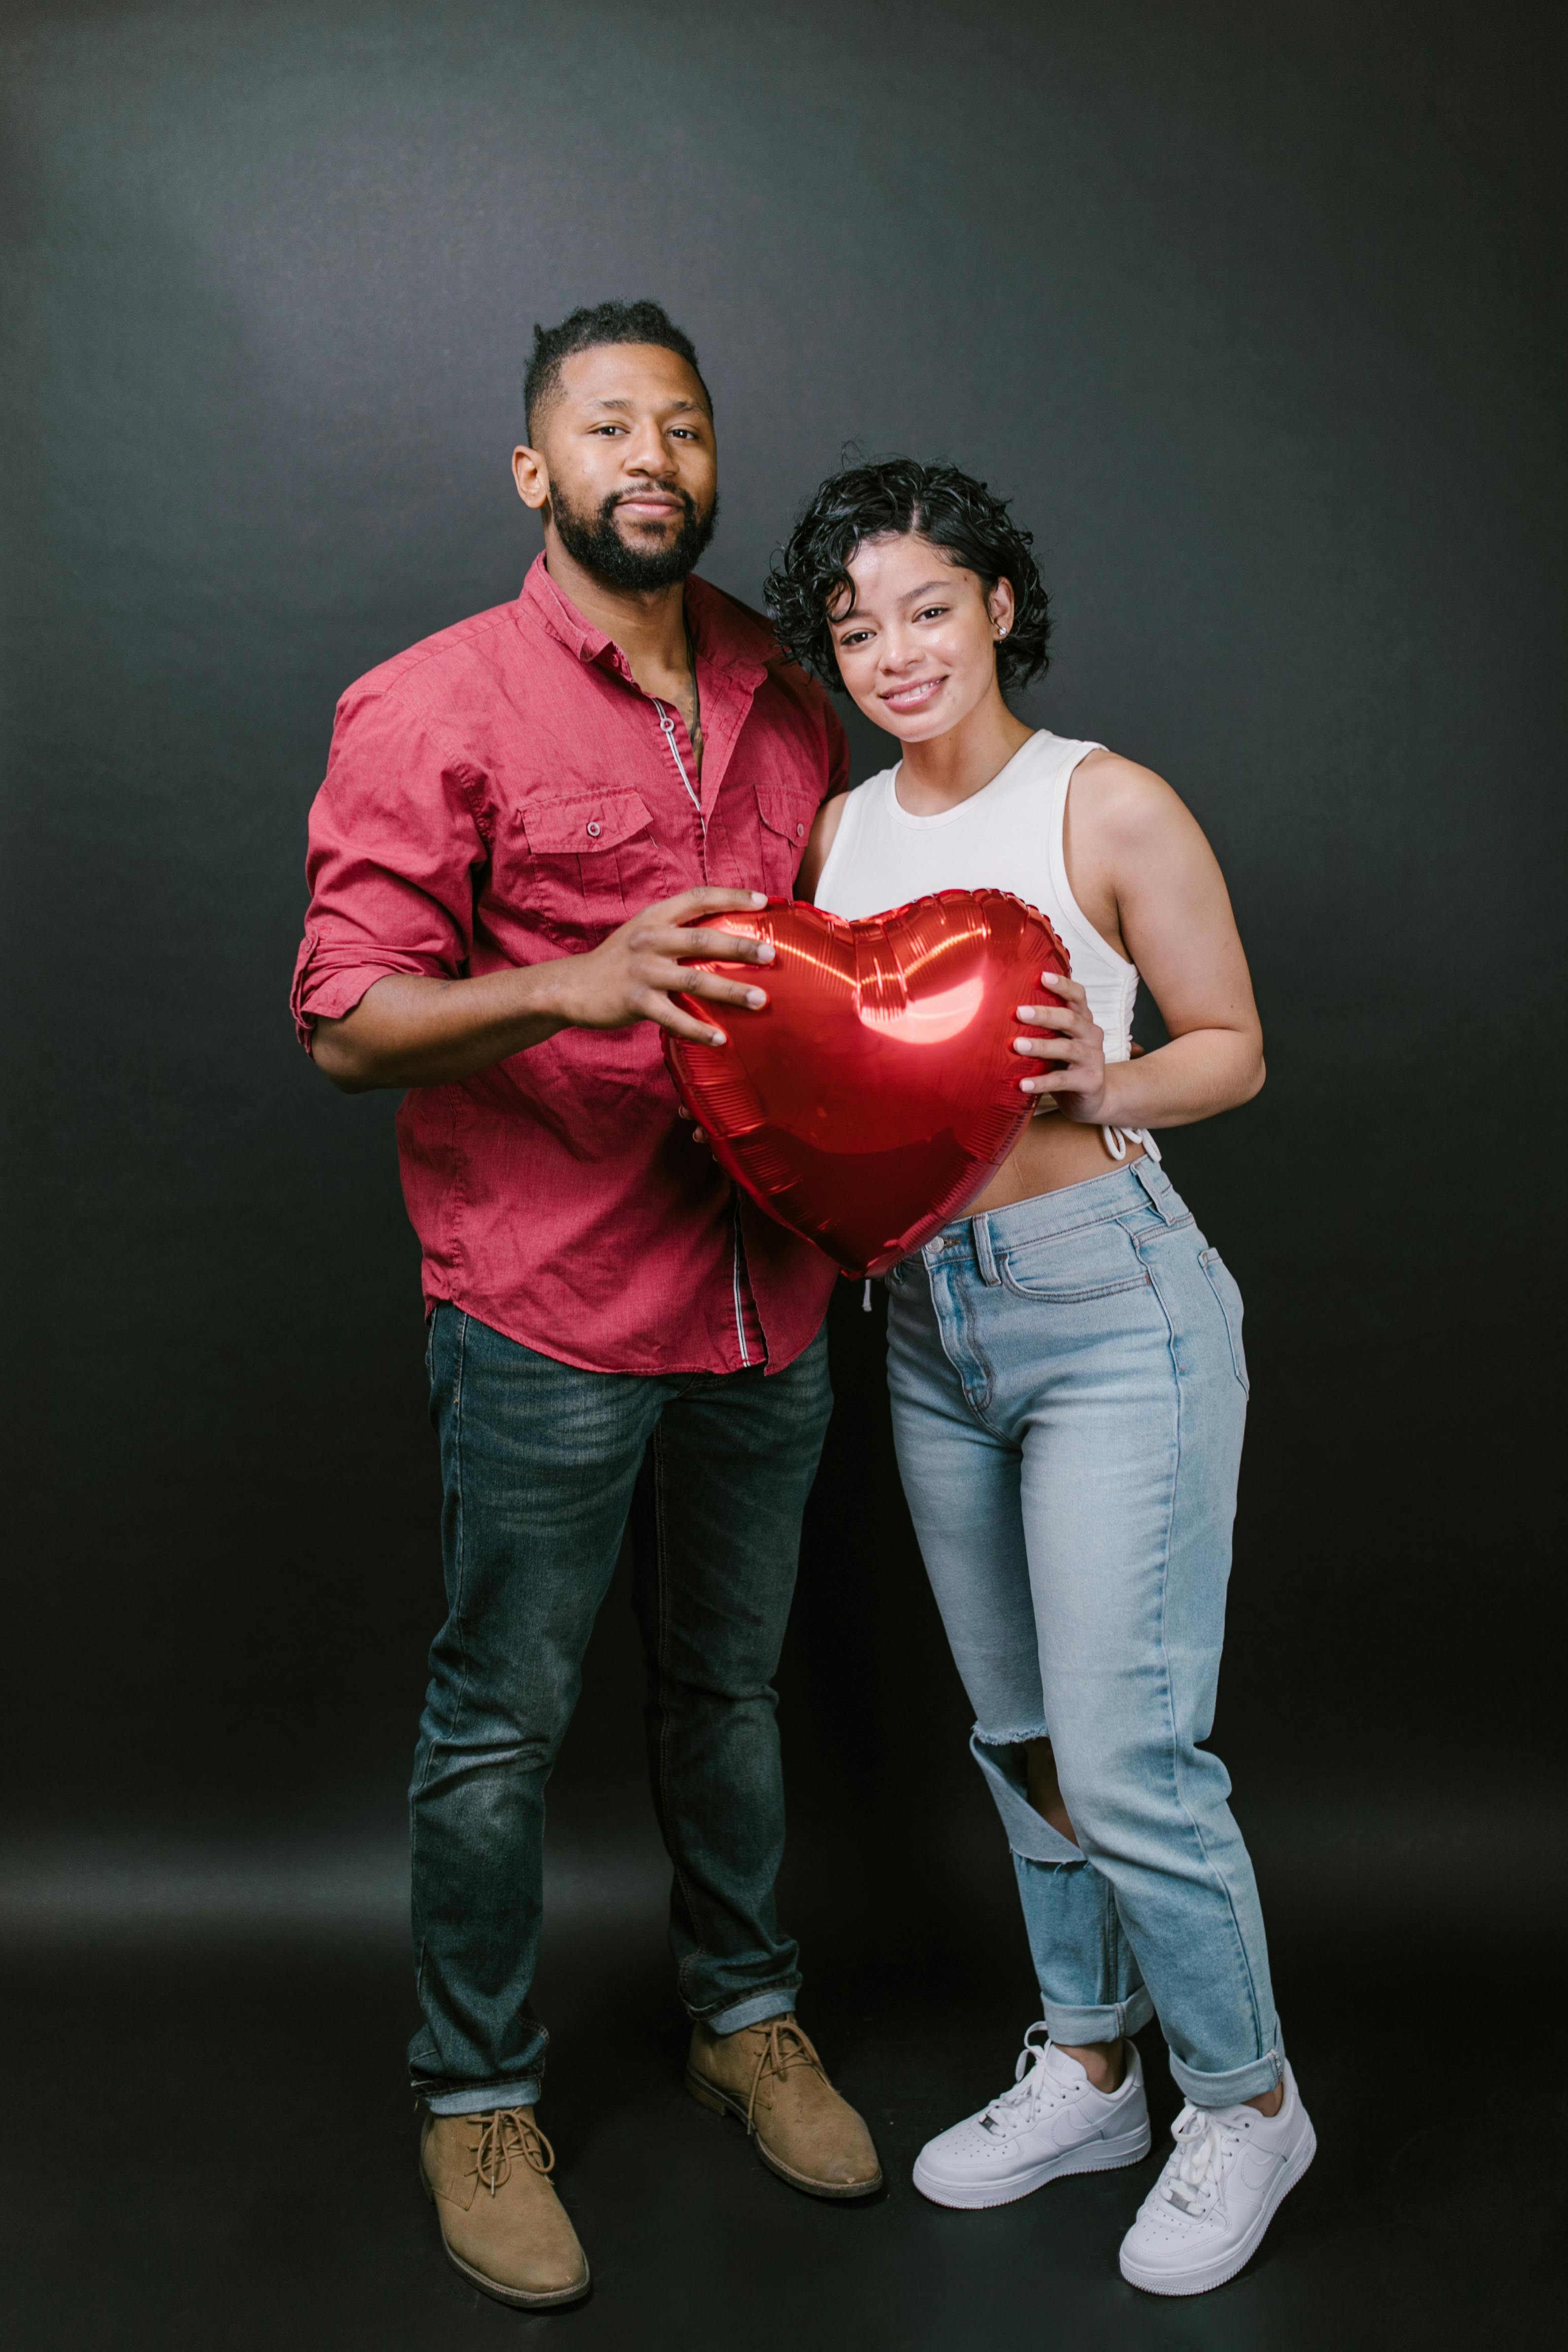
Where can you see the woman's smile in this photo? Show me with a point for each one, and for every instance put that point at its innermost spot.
(914, 695)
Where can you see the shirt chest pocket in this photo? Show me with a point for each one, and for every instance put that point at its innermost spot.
(786, 817)
(585, 864)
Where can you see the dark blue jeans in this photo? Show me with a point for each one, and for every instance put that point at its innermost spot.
(540, 1464)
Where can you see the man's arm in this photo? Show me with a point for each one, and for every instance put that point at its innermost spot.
(407, 1031)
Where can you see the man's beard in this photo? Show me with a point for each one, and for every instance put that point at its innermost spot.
(595, 543)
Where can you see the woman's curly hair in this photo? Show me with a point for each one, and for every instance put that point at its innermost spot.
(952, 510)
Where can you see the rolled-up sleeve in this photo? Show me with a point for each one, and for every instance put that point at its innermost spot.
(397, 836)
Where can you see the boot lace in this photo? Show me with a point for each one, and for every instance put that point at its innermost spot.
(505, 2133)
(784, 2046)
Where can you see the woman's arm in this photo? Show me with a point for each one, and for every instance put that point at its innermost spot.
(822, 835)
(1144, 873)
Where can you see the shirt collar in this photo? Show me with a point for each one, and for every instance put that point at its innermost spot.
(726, 633)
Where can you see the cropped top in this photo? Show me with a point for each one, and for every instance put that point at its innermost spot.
(1006, 837)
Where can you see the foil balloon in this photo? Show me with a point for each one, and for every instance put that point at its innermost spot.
(876, 1092)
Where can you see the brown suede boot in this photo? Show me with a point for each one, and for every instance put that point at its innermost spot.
(501, 2222)
(771, 2077)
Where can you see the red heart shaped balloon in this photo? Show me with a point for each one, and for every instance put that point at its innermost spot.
(876, 1092)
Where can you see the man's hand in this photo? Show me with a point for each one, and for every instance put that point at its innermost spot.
(632, 974)
(412, 1031)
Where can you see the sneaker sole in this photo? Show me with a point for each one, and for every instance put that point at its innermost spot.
(1095, 2156)
(719, 2103)
(1226, 2266)
(518, 2298)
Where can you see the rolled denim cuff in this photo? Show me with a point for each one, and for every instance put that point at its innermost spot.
(1231, 2089)
(755, 2010)
(481, 2102)
(1027, 1833)
(1076, 2028)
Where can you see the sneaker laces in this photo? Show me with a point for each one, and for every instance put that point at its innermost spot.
(506, 2133)
(1031, 2087)
(1205, 2145)
(784, 2046)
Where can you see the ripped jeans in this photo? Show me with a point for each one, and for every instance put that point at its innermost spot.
(1068, 1394)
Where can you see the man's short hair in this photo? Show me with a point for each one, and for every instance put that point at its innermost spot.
(600, 323)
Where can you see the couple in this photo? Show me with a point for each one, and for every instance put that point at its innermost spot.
(518, 817)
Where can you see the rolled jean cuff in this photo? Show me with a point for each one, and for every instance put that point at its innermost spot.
(487, 2097)
(755, 2010)
(1230, 2089)
(1075, 2029)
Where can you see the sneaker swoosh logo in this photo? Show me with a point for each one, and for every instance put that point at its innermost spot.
(1257, 2170)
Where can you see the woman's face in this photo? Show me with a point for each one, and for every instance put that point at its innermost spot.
(917, 641)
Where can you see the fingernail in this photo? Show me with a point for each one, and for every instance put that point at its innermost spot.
(759, 897)
(1029, 1012)
(716, 1037)
(766, 951)
(756, 999)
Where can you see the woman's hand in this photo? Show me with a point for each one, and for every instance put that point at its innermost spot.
(1071, 1041)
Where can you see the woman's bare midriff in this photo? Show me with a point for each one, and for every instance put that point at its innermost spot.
(1051, 1152)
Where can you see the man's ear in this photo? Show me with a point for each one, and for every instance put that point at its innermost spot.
(532, 475)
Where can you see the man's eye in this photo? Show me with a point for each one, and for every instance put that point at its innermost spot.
(684, 433)
(609, 428)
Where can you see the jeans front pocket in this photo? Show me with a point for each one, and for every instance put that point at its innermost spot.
(1222, 1282)
(1072, 1269)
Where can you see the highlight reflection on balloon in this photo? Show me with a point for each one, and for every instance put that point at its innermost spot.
(876, 1093)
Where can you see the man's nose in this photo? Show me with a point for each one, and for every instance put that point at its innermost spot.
(647, 452)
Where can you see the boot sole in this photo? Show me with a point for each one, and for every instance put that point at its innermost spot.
(518, 2298)
(1095, 2156)
(1220, 2273)
(708, 2094)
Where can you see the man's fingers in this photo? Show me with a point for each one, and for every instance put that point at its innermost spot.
(681, 983)
(657, 1007)
(709, 946)
(708, 902)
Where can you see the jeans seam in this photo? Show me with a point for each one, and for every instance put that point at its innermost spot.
(455, 1609)
(661, 1552)
(1216, 1876)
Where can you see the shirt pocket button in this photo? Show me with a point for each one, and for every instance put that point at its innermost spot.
(595, 831)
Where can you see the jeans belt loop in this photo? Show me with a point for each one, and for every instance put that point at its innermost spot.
(1156, 1184)
(981, 1229)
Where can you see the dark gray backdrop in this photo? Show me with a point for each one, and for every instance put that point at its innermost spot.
(1252, 311)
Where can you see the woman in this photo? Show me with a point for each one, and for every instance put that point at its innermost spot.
(1067, 1373)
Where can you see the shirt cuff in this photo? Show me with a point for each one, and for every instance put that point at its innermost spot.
(325, 991)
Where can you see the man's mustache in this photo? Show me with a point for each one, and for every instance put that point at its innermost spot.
(660, 489)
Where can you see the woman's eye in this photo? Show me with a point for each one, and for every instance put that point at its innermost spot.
(931, 613)
(855, 638)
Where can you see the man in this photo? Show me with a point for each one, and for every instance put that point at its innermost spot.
(519, 817)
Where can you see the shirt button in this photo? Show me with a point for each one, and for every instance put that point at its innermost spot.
(799, 831)
(595, 831)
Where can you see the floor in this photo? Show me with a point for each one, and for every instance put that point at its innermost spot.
(210, 2146)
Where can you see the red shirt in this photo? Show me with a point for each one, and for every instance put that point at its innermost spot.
(504, 793)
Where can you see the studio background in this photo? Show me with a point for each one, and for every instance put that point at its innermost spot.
(1254, 315)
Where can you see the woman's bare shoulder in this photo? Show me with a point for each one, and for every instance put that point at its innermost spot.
(1118, 798)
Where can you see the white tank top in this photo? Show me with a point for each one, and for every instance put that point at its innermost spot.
(1006, 837)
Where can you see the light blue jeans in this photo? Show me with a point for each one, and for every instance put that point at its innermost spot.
(1068, 1395)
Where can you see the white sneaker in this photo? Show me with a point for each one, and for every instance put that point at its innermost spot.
(1206, 2214)
(1053, 2121)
